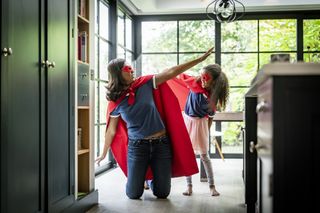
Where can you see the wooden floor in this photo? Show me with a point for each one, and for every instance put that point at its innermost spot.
(228, 180)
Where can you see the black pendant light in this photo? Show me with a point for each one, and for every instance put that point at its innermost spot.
(225, 10)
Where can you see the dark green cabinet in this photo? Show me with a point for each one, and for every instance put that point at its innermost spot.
(21, 135)
(59, 102)
(282, 139)
(37, 106)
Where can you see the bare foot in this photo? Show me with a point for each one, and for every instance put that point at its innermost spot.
(188, 192)
(213, 191)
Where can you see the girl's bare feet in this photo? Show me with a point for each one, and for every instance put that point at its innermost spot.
(213, 191)
(188, 192)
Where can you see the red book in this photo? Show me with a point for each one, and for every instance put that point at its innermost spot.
(79, 48)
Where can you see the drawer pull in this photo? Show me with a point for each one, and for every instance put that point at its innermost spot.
(256, 147)
(262, 106)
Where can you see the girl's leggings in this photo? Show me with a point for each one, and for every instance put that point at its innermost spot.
(208, 168)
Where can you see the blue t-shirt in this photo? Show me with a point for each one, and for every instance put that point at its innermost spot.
(197, 105)
(142, 118)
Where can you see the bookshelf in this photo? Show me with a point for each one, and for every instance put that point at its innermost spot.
(84, 149)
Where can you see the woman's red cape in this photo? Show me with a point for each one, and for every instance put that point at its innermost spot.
(183, 162)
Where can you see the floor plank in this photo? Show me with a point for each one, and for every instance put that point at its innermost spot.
(228, 180)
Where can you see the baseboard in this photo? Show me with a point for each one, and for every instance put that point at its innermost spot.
(84, 204)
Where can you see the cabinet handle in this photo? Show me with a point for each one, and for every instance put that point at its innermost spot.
(252, 147)
(6, 51)
(83, 75)
(83, 96)
(262, 106)
(256, 147)
(48, 64)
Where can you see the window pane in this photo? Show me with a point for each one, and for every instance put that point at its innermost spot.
(120, 52)
(240, 68)
(159, 36)
(128, 34)
(152, 64)
(311, 35)
(100, 143)
(103, 60)
(103, 21)
(96, 18)
(196, 69)
(96, 58)
(120, 28)
(232, 141)
(103, 102)
(129, 58)
(239, 36)
(102, 130)
(196, 35)
(236, 99)
(96, 148)
(278, 35)
(96, 99)
(265, 58)
(311, 57)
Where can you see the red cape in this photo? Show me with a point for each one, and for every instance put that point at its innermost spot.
(183, 162)
(181, 87)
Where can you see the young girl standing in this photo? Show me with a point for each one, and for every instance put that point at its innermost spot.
(207, 92)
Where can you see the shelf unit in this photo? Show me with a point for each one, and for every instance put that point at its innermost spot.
(84, 148)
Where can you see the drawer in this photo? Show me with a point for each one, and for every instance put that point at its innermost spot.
(83, 85)
(264, 118)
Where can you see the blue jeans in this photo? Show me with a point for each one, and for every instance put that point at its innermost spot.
(142, 153)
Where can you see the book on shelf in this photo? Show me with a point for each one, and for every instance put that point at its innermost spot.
(82, 8)
(82, 46)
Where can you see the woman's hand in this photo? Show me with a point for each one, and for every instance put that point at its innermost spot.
(99, 159)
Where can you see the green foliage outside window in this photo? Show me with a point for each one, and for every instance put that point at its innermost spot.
(278, 35)
(196, 35)
(311, 40)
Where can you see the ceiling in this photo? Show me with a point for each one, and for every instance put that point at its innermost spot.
(152, 7)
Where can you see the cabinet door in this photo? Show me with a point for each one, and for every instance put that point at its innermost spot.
(21, 115)
(60, 107)
(264, 145)
(250, 155)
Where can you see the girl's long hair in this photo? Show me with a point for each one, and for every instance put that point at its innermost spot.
(116, 85)
(219, 90)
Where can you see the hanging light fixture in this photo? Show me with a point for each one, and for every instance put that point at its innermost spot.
(225, 10)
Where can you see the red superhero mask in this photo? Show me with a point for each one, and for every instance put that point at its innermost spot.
(127, 68)
(205, 77)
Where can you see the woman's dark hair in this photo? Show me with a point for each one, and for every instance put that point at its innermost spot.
(116, 85)
(219, 91)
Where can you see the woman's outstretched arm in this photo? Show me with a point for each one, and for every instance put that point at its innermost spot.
(109, 135)
(172, 72)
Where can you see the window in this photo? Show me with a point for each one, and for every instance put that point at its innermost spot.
(239, 59)
(311, 40)
(277, 36)
(124, 48)
(168, 43)
(101, 77)
(245, 47)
